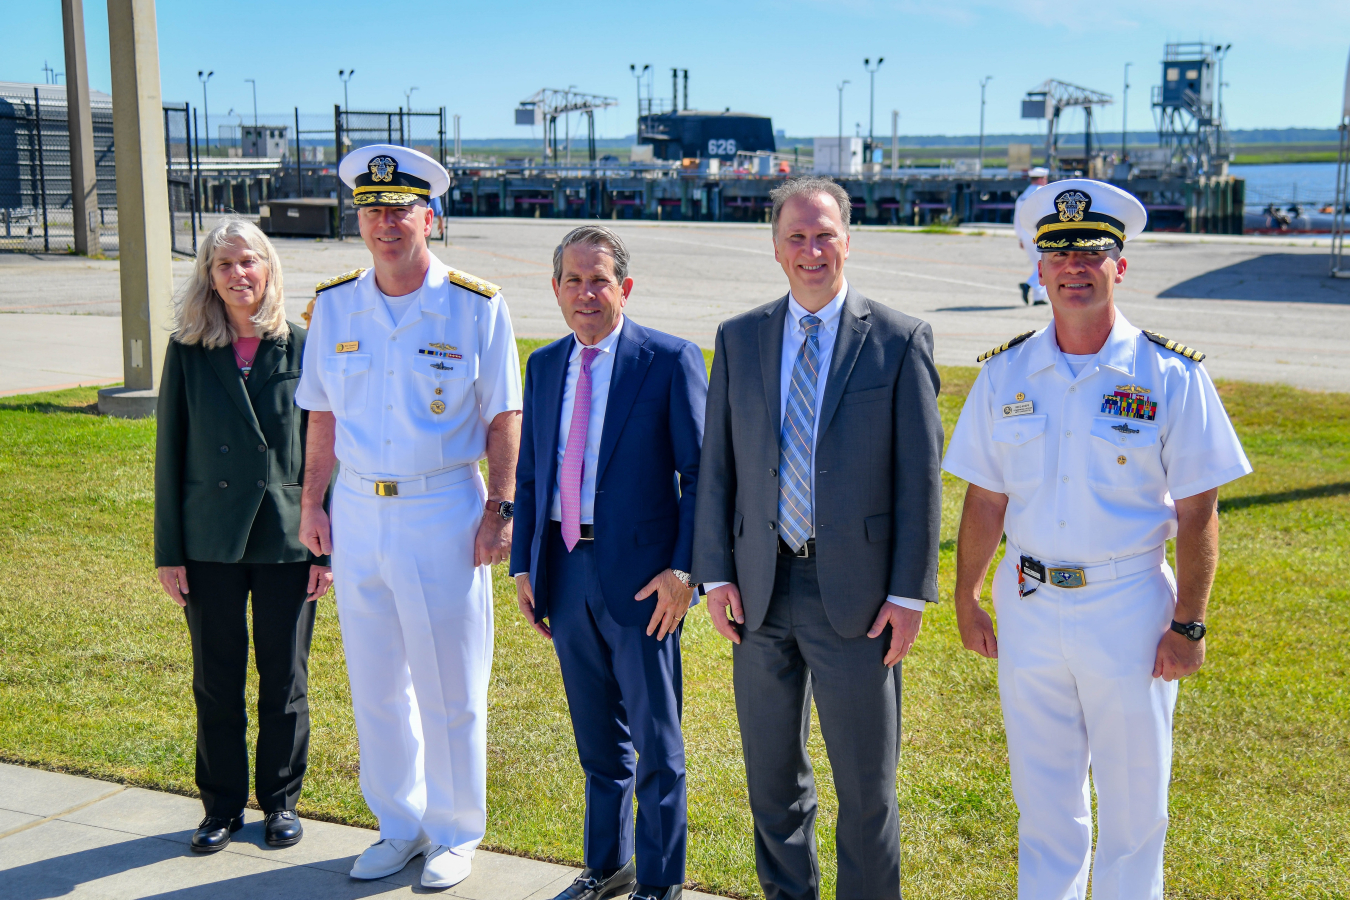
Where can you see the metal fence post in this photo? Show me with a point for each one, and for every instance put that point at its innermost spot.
(337, 161)
(42, 168)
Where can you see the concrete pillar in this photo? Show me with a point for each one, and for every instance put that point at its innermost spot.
(83, 176)
(143, 234)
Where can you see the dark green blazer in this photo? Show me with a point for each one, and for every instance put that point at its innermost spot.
(230, 456)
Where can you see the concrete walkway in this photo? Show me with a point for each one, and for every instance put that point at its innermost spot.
(63, 836)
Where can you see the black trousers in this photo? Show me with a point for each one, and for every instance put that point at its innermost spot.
(283, 624)
(795, 656)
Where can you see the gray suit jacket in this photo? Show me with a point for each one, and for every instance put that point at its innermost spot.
(878, 451)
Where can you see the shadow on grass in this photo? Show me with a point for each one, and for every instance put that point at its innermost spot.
(1335, 489)
(87, 409)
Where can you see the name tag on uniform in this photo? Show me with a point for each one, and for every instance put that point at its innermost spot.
(348, 346)
(1017, 409)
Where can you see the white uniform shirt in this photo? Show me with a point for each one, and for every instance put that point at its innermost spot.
(602, 371)
(1085, 485)
(1028, 241)
(794, 335)
(384, 391)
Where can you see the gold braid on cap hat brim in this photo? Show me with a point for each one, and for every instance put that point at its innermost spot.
(383, 197)
(1044, 234)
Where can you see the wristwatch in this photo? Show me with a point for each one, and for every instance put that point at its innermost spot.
(1192, 631)
(505, 508)
(684, 577)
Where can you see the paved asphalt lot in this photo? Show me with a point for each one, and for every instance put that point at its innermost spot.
(1261, 308)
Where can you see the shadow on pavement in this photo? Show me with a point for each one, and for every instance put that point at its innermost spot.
(60, 876)
(1272, 277)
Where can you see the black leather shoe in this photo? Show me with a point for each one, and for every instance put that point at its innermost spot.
(643, 892)
(214, 833)
(589, 885)
(283, 829)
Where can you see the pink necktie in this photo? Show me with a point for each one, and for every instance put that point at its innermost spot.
(569, 485)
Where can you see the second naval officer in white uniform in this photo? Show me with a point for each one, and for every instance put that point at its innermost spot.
(412, 376)
(1032, 289)
(1090, 444)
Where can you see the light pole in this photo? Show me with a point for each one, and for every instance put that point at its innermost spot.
(204, 77)
(1125, 112)
(872, 99)
(637, 78)
(407, 98)
(983, 81)
(839, 148)
(255, 101)
(346, 76)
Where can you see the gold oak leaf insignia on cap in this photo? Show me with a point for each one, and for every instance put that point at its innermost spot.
(999, 349)
(473, 283)
(1175, 346)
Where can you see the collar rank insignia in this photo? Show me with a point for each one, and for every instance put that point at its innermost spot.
(1130, 401)
(382, 168)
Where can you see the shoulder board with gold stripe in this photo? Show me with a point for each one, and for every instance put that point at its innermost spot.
(341, 279)
(1175, 346)
(473, 283)
(997, 350)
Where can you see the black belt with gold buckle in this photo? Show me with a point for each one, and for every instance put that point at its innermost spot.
(808, 549)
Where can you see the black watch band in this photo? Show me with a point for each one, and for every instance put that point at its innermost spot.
(1191, 631)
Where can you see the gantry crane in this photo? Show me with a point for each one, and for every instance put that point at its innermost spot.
(1050, 99)
(545, 106)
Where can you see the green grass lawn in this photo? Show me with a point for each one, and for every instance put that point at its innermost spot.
(95, 676)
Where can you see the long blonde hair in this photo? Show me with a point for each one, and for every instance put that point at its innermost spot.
(199, 312)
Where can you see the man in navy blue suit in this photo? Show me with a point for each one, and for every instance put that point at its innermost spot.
(605, 487)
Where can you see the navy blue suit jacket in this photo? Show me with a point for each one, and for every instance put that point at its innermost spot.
(647, 473)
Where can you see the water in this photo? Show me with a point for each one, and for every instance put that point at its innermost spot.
(1311, 184)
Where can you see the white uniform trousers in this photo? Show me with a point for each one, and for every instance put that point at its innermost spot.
(1075, 676)
(1034, 279)
(416, 620)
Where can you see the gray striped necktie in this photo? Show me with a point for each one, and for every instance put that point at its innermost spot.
(795, 444)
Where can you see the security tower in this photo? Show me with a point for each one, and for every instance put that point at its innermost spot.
(1188, 109)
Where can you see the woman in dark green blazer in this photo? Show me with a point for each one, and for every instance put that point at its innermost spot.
(229, 463)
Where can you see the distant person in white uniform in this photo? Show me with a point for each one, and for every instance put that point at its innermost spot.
(1032, 289)
(412, 377)
(1090, 444)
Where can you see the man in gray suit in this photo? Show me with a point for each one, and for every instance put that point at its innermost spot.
(819, 503)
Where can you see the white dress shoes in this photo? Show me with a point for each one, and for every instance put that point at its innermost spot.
(445, 867)
(387, 856)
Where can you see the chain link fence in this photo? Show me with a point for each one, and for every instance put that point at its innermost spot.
(36, 214)
(352, 129)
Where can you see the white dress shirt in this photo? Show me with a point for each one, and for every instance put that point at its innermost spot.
(602, 372)
(794, 335)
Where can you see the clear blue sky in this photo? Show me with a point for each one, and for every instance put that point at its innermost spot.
(781, 58)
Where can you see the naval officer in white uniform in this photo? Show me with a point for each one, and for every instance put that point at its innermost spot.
(1090, 444)
(412, 377)
(1032, 289)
